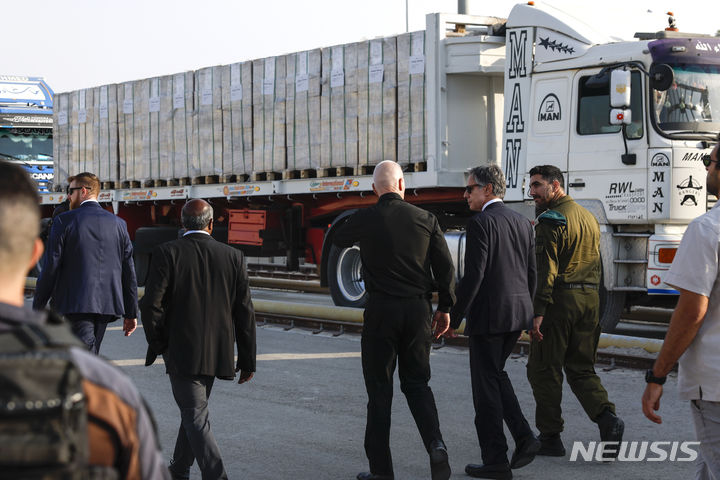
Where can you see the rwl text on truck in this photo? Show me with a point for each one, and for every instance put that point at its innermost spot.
(283, 147)
(26, 126)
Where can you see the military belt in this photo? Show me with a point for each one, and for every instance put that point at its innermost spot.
(577, 286)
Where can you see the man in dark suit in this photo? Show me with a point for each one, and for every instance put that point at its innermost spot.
(88, 269)
(495, 297)
(399, 244)
(196, 307)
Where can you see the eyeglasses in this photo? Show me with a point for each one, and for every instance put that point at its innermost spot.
(707, 160)
(71, 190)
(469, 188)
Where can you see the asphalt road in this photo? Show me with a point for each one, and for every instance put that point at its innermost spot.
(303, 415)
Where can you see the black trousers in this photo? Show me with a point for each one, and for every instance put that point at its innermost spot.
(493, 395)
(195, 440)
(90, 328)
(396, 331)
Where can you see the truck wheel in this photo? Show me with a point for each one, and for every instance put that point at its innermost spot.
(345, 277)
(611, 306)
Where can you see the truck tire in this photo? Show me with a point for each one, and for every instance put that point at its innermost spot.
(345, 277)
(611, 306)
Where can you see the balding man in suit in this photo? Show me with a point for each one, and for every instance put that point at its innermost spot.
(196, 308)
(399, 244)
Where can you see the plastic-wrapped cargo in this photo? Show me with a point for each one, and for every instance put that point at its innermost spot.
(237, 121)
(105, 132)
(303, 132)
(269, 116)
(411, 98)
(183, 150)
(61, 140)
(82, 138)
(377, 86)
(132, 119)
(208, 93)
(339, 108)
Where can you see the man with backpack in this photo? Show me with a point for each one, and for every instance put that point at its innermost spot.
(64, 412)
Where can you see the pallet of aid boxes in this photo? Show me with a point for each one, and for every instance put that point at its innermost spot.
(156, 131)
(377, 97)
(268, 99)
(411, 138)
(302, 106)
(85, 137)
(237, 118)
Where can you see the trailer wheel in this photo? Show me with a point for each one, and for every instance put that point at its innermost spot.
(611, 306)
(345, 277)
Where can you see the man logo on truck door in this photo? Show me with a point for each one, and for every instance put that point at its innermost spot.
(549, 108)
(517, 55)
(688, 188)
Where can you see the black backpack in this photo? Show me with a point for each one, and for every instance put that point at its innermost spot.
(43, 412)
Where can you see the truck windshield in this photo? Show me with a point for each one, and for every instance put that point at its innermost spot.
(31, 148)
(692, 103)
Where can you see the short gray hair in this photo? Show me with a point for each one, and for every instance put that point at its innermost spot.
(197, 221)
(492, 175)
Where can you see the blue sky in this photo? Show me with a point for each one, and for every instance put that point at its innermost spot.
(82, 43)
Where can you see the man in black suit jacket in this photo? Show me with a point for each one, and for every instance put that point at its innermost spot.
(196, 305)
(495, 297)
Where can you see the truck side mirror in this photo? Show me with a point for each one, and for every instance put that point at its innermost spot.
(620, 113)
(662, 76)
(620, 88)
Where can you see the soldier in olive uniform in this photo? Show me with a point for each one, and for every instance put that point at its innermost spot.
(566, 326)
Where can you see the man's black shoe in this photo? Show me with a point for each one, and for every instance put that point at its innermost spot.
(439, 466)
(525, 451)
(611, 430)
(551, 445)
(499, 471)
(371, 476)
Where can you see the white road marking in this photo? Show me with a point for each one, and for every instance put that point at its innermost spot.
(134, 362)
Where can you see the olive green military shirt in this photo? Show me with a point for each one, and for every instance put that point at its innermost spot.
(567, 247)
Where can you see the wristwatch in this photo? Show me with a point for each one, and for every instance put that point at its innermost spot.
(650, 378)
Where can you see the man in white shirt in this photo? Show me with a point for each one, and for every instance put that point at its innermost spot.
(693, 336)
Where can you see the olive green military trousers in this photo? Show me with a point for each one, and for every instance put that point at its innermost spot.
(571, 332)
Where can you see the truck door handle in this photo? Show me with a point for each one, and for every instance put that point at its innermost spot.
(576, 184)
